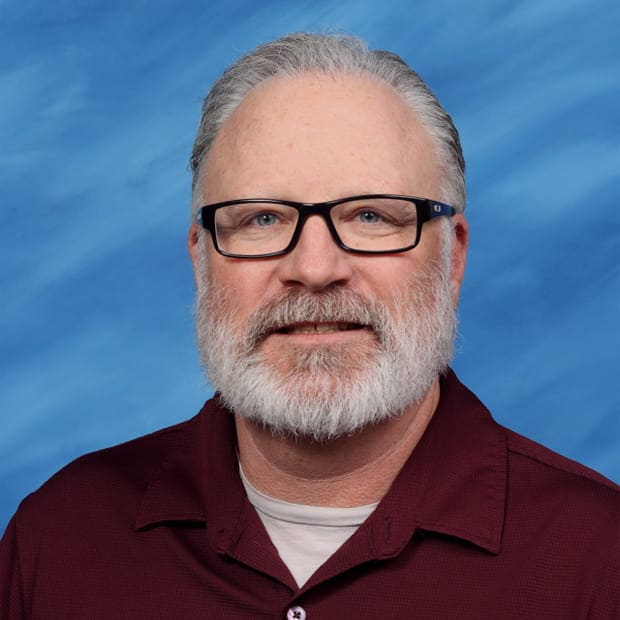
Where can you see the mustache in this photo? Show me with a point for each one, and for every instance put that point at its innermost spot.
(298, 306)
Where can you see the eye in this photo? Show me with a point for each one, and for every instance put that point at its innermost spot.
(259, 219)
(369, 217)
(265, 219)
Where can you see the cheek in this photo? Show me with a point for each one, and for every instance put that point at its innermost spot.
(391, 277)
(388, 273)
(246, 285)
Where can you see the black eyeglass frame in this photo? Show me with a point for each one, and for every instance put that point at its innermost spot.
(426, 209)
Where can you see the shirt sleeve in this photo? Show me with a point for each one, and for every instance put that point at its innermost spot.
(11, 603)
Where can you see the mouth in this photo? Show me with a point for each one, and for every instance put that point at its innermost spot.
(319, 328)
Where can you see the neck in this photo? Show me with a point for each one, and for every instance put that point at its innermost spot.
(348, 471)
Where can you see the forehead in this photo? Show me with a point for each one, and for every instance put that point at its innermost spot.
(314, 137)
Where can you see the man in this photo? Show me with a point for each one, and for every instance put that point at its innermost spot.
(342, 470)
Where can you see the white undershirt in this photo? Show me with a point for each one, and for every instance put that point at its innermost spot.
(305, 536)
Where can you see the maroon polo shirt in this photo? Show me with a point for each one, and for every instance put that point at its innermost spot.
(480, 523)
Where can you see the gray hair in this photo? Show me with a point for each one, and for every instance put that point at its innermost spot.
(308, 52)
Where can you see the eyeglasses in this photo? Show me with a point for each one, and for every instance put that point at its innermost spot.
(369, 224)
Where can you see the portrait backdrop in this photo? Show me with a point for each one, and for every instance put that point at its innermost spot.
(99, 102)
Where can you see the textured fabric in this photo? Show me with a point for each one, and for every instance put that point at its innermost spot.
(480, 523)
(305, 536)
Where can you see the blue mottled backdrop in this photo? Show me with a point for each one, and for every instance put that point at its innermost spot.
(98, 105)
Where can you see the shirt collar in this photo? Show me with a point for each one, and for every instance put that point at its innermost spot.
(454, 483)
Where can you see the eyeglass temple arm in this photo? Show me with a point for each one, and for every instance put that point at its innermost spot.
(437, 209)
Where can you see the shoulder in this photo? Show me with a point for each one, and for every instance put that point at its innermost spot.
(546, 479)
(83, 520)
(536, 475)
(537, 457)
(111, 480)
(562, 518)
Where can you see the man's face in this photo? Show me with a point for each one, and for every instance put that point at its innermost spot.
(343, 321)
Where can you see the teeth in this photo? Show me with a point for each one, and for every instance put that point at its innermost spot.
(315, 328)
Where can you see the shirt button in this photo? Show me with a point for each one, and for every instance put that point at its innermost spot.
(296, 613)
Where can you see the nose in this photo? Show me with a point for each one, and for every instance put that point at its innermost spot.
(316, 262)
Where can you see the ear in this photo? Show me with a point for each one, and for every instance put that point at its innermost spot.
(193, 239)
(459, 254)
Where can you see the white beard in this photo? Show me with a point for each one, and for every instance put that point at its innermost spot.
(326, 392)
